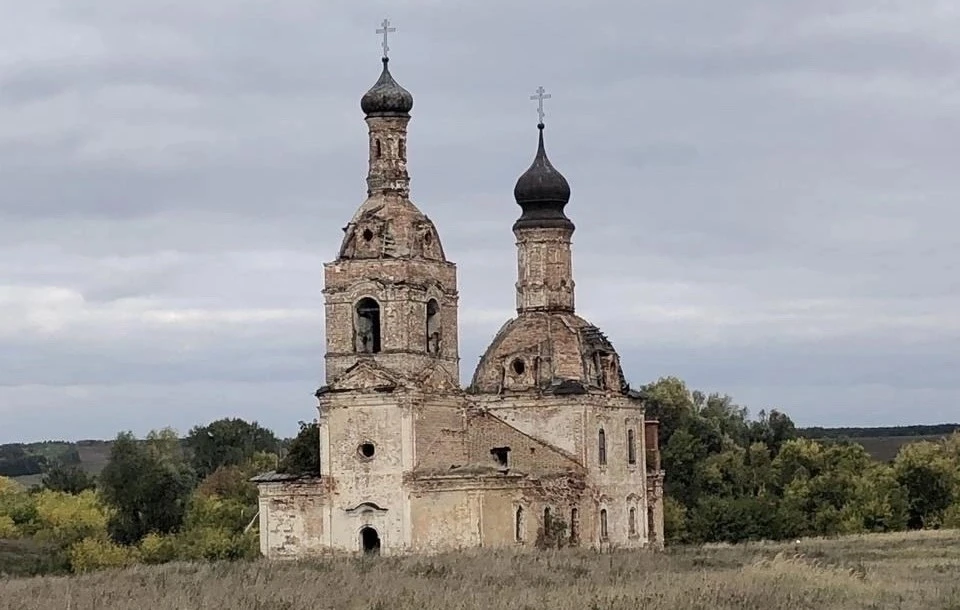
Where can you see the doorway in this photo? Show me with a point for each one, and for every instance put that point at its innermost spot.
(370, 541)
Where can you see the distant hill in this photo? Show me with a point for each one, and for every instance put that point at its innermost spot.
(882, 443)
(26, 462)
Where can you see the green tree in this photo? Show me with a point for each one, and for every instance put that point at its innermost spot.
(228, 442)
(68, 478)
(148, 484)
(303, 456)
(930, 478)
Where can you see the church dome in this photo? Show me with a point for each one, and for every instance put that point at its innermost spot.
(559, 353)
(386, 97)
(390, 228)
(542, 192)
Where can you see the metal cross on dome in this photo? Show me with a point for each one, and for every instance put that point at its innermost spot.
(540, 96)
(385, 29)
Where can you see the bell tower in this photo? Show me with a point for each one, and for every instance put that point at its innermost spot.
(391, 295)
(543, 232)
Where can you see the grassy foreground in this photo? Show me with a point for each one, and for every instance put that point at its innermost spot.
(916, 570)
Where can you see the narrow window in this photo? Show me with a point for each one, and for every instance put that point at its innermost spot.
(518, 525)
(602, 447)
(574, 525)
(631, 447)
(403, 149)
(433, 327)
(379, 149)
(368, 326)
(603, 524)
(633, 521)
(546, 519)
(651, 525)
(502, 456)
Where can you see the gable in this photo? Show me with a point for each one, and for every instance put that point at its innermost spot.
(488, 434)
(365, 376)
(438, 379)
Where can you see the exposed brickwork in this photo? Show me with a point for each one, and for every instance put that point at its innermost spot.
(526, 454)
(544, 270)
(412, 462)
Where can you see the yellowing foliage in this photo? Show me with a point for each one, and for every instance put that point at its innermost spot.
(155, 548)
(93, 554)
(8, 486)
(69, 518)
(8, 529)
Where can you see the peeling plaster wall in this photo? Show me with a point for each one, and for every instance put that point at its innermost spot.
(293, 519)
(386, 422)
(446, 520)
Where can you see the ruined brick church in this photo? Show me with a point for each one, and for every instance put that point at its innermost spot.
(548, 443)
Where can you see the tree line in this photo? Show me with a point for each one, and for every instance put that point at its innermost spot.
(158, 499)
(730, 477)
(733, 478)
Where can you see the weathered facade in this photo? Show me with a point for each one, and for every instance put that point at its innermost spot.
(548, 444)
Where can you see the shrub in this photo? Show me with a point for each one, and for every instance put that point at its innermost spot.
(155, 548)
(66, 518)
(951, 518)
(8, 529)
(217, 544)
(93, 554)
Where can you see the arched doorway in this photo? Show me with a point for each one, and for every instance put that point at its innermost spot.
(370, 541)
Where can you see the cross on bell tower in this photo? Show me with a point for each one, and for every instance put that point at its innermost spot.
(540, 95)
(385, 29)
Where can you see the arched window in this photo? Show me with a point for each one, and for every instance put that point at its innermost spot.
(368, 326)
(633, 521)
(603, 524)
(518, 525)
(433, 327)
(602, 447)
(379, 149)
(631, 447)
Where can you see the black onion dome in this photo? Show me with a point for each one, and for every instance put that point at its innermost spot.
(542, 192)
(386, 97)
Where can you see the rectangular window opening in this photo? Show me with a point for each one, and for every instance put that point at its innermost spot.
(501, 455)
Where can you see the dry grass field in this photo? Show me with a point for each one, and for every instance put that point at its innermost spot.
(917, 570)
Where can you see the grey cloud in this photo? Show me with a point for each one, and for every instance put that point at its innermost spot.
(764, 195)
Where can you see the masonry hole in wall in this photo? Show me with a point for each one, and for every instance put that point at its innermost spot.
(367, 235)
(501, 455)
(370, 541)
(366, 450)
(433, 326)
(518, 366)
(368, 326)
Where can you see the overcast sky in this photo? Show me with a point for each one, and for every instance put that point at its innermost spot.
(765, 194)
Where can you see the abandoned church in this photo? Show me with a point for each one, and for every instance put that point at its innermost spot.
(547, 445)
